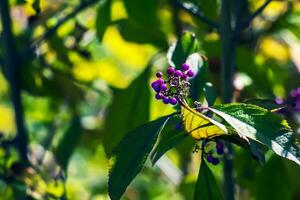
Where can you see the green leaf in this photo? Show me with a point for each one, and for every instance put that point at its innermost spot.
(169, 138)
(185, 50)
(180, 50)
(141, 33)
(268, 104)
(130, 155)
(103, 18)
(262, 126)
(67, 143)
(199, 65)
(209, 8)
(143, 12)
(128, 110)
(206, 186)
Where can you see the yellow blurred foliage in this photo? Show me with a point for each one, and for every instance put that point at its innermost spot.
(118, 10)
(135, 56)
(66, 28)
(274, 9)
(272, 48)
(125, 57)
(7, 124)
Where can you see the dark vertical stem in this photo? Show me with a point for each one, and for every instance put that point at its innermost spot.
(176, 20)
(12, 73)
(228, 62)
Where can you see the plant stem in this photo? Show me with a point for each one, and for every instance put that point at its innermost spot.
(193, 10)
(12, 73)
(228, 62)
(255, 14)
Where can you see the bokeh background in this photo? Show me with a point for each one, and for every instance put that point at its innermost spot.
(84, 86)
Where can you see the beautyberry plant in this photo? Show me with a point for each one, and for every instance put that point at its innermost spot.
(247, 125)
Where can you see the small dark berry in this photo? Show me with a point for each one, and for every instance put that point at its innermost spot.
(173, 101)
(171, 70)
(219, 145)
(157, 88)
(159, 74)
(215, 161)
(159, 96)
(190, 73)
(185, 67)
(184, 76)
(210, 158)
(153, 84)
(163, 87)
(220, 151)
(178, 126)
(166, 100)
(178, 73)
(160, 81)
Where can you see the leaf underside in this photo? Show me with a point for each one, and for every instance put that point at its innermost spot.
(263, 126)
(200, 126)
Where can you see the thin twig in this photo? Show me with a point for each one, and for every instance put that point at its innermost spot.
(193, 10)
(247, 22)
(52, 30)
(12, 72)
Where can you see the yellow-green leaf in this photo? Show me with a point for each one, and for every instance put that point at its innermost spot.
(200, 126)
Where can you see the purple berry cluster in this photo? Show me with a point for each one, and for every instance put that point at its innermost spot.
(211, 158)
(175, 87)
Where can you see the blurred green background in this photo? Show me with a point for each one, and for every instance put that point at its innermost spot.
(84, 86)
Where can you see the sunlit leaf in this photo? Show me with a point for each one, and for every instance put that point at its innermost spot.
(200, 126)
(129, 156)
(262, 126)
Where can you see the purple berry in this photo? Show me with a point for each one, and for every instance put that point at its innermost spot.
(185, 67)
(178, 126)
(163, 87)
(190, 73)
(173, 101)
(219, 145)
(184, 76)
(171, 70)
(178, 73)
(160, 81)
(215, 161)
(279, 100)
(166, 100)
(153, 84)
(159, 96)
(220, 151)
(156, 87)
(210, 158)
(293, 93)
(159, 74)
